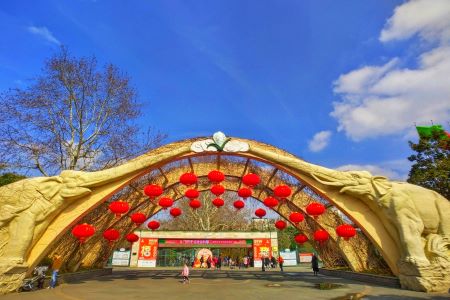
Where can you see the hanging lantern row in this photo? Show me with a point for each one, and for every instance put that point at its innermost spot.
(84, 231)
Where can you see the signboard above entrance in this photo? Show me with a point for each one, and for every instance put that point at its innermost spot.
(178, 243)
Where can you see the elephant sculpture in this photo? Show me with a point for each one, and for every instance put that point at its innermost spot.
(417, 213)
(27, 207)
(418, 218)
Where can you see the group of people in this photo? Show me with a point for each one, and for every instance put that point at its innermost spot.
(272, 262)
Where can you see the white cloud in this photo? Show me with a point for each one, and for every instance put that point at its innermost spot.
(428, 18)
(44, 33)
(388, 99)
(319, 141)
(393, 169)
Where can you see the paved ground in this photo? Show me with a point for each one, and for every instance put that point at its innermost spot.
(227, 284)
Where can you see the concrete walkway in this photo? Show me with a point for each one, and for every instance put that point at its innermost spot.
(295, 283)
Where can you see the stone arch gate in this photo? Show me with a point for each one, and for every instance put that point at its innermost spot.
(53, 205)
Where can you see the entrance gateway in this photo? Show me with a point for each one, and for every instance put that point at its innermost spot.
(406, 225)
(174, 248)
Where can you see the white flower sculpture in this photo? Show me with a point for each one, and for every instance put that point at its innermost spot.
(219, 143)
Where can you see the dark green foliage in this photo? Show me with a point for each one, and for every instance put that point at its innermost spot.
(431, 168)
(8, 178)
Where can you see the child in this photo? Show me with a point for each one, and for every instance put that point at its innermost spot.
(185, 274)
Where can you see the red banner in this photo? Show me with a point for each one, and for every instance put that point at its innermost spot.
(148, 249)
(261, 247)
(182, 243)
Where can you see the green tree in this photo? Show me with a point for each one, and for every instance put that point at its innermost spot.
(7, 178)
(431, 168)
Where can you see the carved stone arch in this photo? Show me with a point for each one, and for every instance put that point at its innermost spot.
(69, 197)
(355, 253)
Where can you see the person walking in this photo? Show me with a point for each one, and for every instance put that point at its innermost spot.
(202, 261)
(208, 262)
(315, 264)
(57, 263)
(280, 262)
(273, 262)
(219, 263)
(185, 274)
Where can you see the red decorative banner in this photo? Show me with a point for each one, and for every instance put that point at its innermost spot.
(202, 243)
(148, 249)
(261, 247)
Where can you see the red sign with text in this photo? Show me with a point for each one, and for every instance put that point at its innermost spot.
(148, 249)
(202, 243)
(261, 247)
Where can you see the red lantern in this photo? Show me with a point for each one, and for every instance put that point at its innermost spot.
(218, 202)
(188, 179)
(321, 236)
(119, 207)
(260, 212)
(191, 193)
(217, 189)
(165, 202)
(296, 217)
(83, 232)
(153, 225)
(131, 237)
(244, 192)
(216, 176)
(195, 204)
(239, 204)
(138, 218)
(250, 180)
(300, 238)
(111, 234)
(315, 209)
(175, 212)
(346, 231)
(153, 190)
(280, 224)
(282, 191)
(270, 202)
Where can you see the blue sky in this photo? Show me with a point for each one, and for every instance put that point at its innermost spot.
(348, 73)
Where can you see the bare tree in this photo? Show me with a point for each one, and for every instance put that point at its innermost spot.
(210, 218)
(75, 115)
